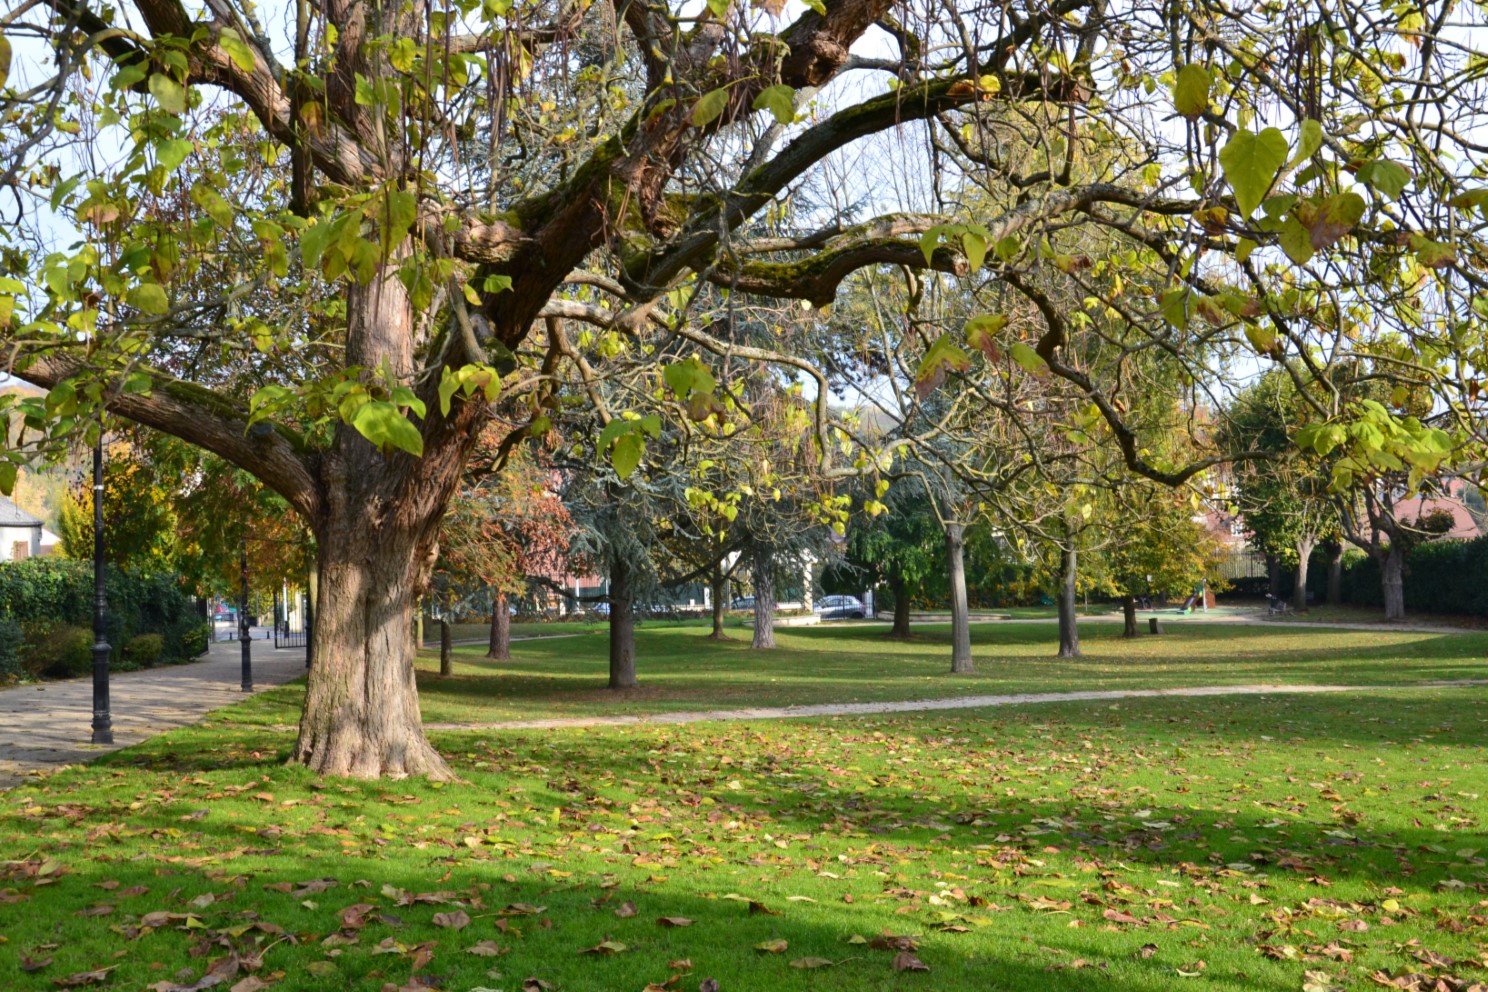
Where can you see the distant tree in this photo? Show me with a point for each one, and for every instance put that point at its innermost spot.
(902, 545)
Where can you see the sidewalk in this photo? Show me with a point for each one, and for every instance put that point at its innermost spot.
(48, 725)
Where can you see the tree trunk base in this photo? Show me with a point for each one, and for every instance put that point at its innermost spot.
(389, 755)
(963, 666)
(718, 635)
(1070, 653)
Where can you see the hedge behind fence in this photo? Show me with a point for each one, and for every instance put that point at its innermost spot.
(1440, 577)
(41, 596)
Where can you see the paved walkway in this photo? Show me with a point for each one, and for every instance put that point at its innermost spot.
(921, 705)
(49, 725)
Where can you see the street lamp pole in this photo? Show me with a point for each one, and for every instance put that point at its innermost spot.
(103, 724)
(243, 632)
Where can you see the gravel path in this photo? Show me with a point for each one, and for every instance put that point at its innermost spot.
(922, 705)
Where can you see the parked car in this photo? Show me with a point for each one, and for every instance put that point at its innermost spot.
(224, 616)
(742, 603)
(840, 608)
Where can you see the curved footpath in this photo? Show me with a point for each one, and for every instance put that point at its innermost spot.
(45, 726)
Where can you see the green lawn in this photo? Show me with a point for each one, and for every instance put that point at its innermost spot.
(1256, 844)
(681, 670)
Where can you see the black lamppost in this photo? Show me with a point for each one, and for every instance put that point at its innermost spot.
(103, 724)
(243, 633)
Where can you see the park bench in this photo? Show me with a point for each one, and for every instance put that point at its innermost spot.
(1276, 606)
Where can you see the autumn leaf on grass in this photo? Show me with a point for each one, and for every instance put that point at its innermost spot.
(485, 949)
(889, 942)
(251, 984)
(810, 964)
(219, 972)
(625, 909)
(1117, 916)
(536, 985)
(673, 921)
(605, 947)
(522, 909)
(458, 920)
(355, 917)
(1147, 950)
(772, 946)
(81, 978)
(905, 961)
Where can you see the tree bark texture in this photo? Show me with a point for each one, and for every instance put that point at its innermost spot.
(622, 626)
(1335, 574)
(764, 599)
(376, 522)
(1129, 615)
(961, 663)
(1392, 580)
(1299, 594)
(1069, 631)
(718, 588)
(1273, 576)
(899, 588)
(500, 644)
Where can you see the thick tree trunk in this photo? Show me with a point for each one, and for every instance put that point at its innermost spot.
(1299, 594)
(764, 600)
(500, 645)
(961, 663)
(1069, 632)
(718, 588)
(899, 588)
(361, 715)
(1129, 615)
(1335, 574)
(1392, 581)
(622, 627)
(376, 526)
(1273, 576)
(446, 649)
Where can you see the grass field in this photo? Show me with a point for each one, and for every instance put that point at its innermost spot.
(1257, 843)
(680, 670)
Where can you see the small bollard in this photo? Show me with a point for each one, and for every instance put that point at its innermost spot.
(1154, 625)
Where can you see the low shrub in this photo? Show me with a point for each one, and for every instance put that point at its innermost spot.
(144, 650)
(194, 641)
(11, 640)
(63, 652)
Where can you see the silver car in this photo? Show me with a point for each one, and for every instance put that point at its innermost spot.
(840, 608)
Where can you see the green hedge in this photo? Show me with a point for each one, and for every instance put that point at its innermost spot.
(41, 595)
(1440, 577)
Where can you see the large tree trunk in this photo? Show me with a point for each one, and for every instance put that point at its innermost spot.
(1299, 594)
(500, 645)
(1392, 580)
(1273, 576)
(622, 627)
(718, 588)
(764, 599)
(1335, 573)
(1069, 632)
(899, 588)
(961, 663)
(376, 527)
(1129, 615)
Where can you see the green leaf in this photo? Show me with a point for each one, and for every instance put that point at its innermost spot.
(148, 297)
(612, 430)
(1191, 91)
(237, 49)
(981, 333)
(1295, 240)
(448, 384)
(709, 107)
(385, 426)
(314, 240)
(1432, 254)
(627, 453)
(816, 5)
(1335, 217)
(1390, 178)
(496, 284)
(8, 470)
(687, 377)
(4, 74)
(1031, 360)
(1309, 140)
(212, 202)
(400, 213)
(170, 94)
(779, 100)
(170, 153)
(1243, 250)
(1262, 339)
(976, 249)
(1250, 162)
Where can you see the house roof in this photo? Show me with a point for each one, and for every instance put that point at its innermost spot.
(13, 516)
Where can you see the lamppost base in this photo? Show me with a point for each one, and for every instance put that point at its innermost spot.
(103, 737)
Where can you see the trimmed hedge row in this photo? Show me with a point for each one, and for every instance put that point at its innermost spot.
(46, 615)
(1440, 577)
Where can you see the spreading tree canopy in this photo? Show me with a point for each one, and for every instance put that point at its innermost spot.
(317, 238)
